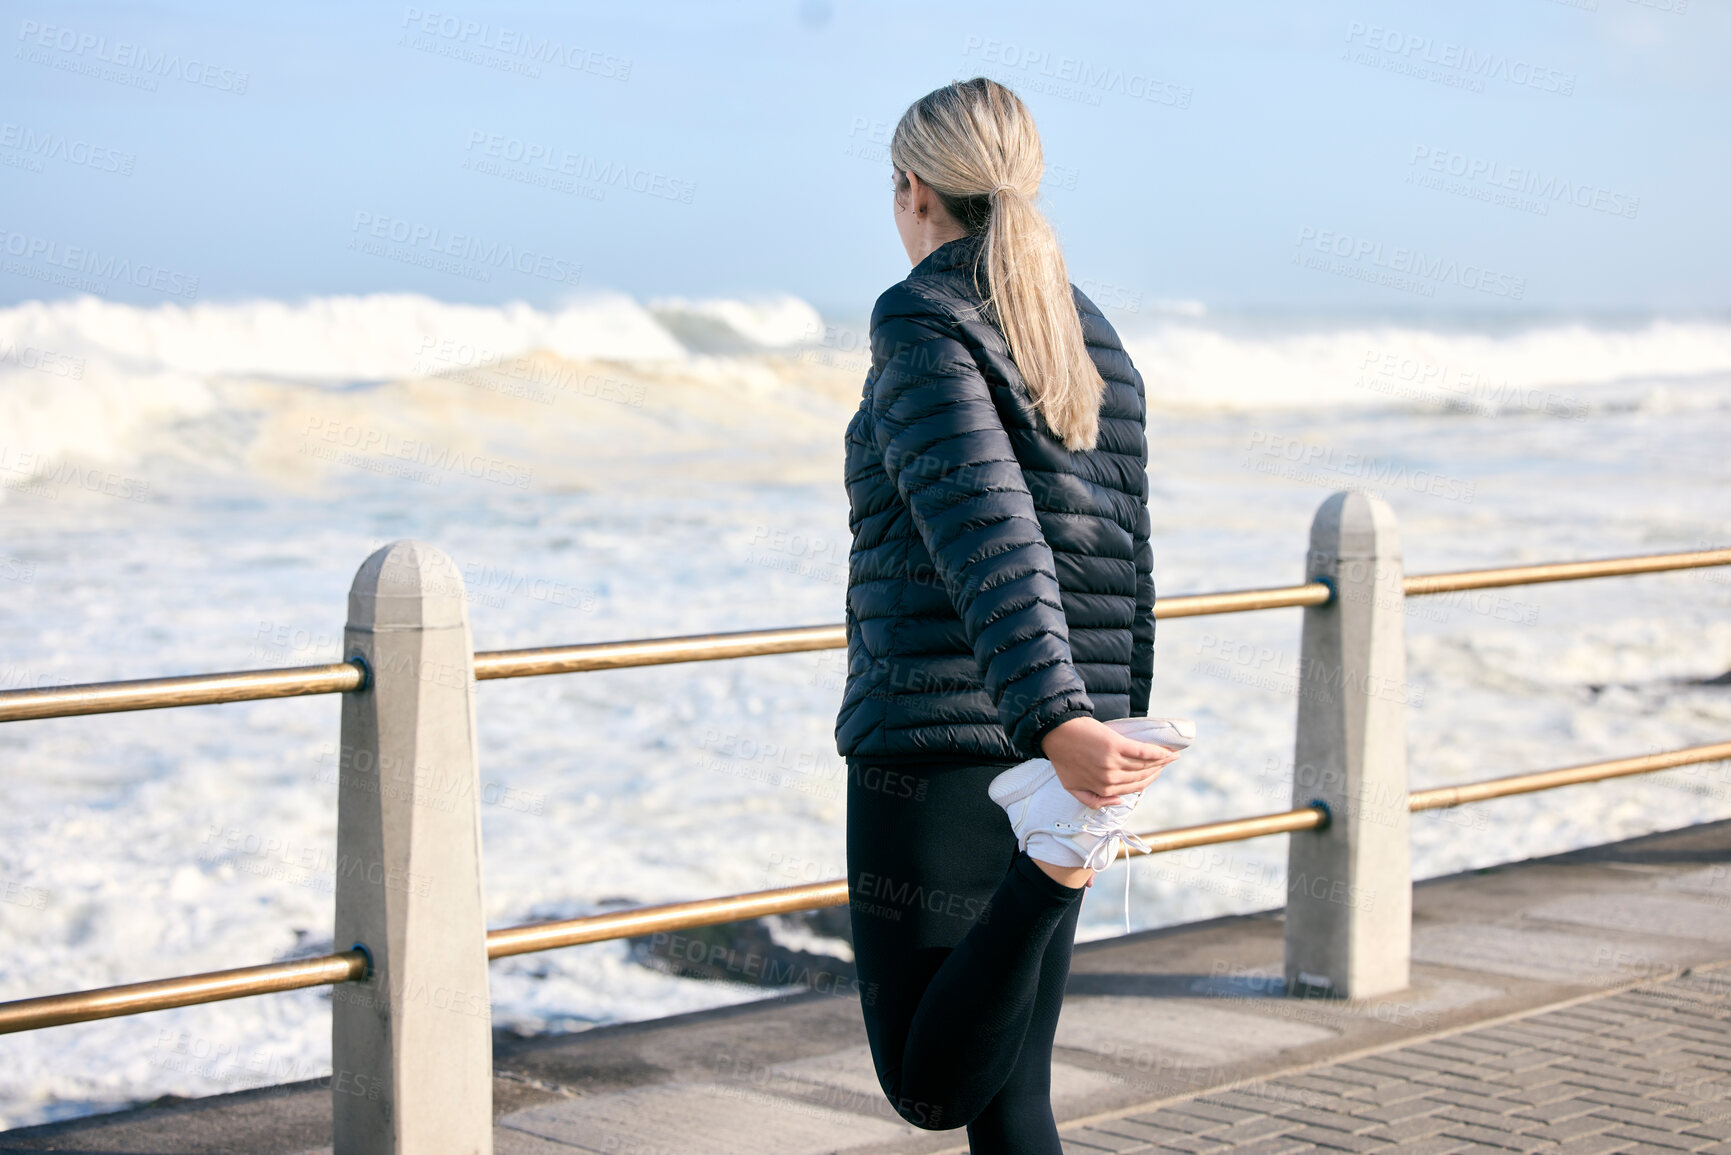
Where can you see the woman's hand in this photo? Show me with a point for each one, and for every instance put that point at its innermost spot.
(1099, 765)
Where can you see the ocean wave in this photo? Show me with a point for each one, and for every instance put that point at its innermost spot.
(722, 325)
(1559, 369)
(329, 339)
(94, 381)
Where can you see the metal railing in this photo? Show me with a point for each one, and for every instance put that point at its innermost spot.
(337, 677)
(356, 965)
(342, 677)
(351, 965)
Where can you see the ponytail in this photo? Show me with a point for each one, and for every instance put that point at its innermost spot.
(975, 144)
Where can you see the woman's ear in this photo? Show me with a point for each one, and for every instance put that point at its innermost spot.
(919, 195)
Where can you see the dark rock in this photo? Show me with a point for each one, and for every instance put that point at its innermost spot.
(745, 952)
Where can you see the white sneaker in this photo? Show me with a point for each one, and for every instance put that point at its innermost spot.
(1055, 826)
(1172, 733)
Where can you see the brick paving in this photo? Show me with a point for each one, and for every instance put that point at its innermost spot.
(1644, 1070)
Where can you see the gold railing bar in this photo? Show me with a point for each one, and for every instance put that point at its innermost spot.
(1241, 601)
(1231, 830)
(1417, 585)
(191, 690)
(672, 916)
(161, 994)
(655, 652)
(341, 677)
(710, 911)
(755, 643)
(137, 998)
(1439, 797)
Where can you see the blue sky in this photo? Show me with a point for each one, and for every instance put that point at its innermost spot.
(1511, 155)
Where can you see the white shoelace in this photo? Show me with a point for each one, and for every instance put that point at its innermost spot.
(1107, 824)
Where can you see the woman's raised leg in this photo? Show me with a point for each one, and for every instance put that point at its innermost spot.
(952, 927)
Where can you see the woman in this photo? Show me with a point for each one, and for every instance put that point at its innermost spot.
(1000, 598)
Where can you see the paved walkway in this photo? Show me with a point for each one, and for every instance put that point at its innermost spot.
(1546, 1011)
(1645, 1070)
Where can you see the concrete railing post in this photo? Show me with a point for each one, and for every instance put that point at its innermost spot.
(1349, 886)
(412, 1045)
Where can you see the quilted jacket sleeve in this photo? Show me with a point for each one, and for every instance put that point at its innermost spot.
(946, 452)
(1142, 629)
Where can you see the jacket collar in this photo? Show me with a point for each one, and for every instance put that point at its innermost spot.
(955, 254)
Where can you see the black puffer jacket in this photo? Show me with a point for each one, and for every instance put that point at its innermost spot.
(998, 584)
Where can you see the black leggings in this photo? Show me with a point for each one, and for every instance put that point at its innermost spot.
(963, 947)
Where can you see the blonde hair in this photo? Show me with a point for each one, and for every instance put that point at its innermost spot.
(974, 142)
